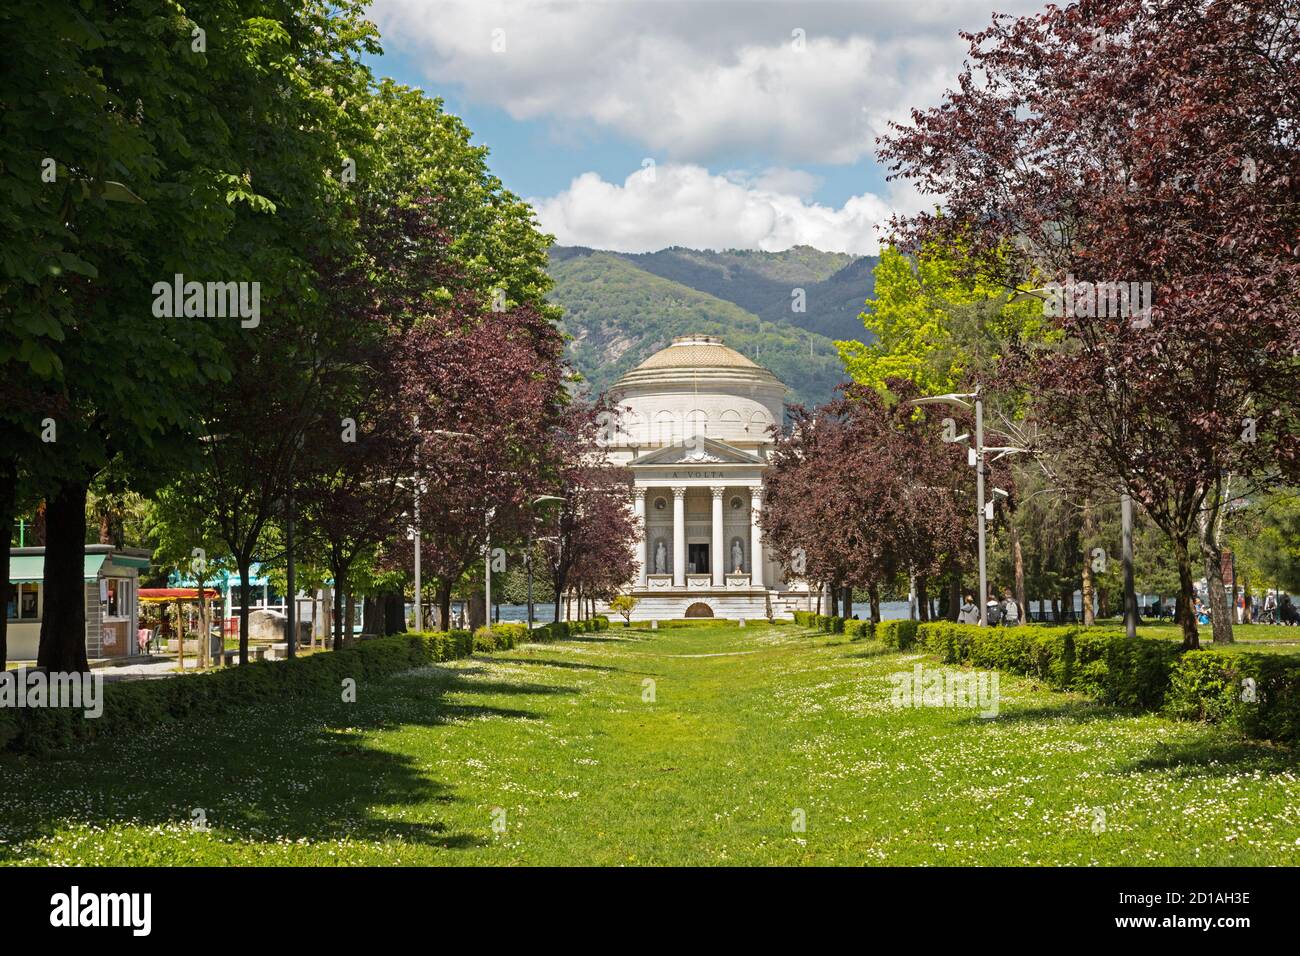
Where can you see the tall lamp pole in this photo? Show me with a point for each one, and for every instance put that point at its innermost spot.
(291, 599)
(1126, 547)
(415, 535)
(415, 532)
(977, 453)
(959, 400)
(528, 560)
(979, 496)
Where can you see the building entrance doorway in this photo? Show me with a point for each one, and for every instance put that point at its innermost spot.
(697, 559)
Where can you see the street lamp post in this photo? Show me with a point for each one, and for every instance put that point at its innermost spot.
(958, 400)
(1126, 547)
(415, 532)
(528, 559)
(978, 450)
(291, 602)
(979, 496)
(419, 607)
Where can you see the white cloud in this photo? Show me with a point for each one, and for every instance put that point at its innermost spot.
(696, 81)
(778, 179)
(686, 205)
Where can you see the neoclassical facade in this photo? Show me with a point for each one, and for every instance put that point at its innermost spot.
(693, 430)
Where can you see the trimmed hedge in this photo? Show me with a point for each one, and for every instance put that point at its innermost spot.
(834, 625)
(1255, 694)
(1103, 664)
(897, 634)
(132, 705)
(859, 630)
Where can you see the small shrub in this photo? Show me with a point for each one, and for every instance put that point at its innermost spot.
(897, 634)
(859, 630)
(1255, 694)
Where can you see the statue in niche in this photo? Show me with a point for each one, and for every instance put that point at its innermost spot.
(737, 556)
(661, 557)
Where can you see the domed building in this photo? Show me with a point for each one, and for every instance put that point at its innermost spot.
(694, 431)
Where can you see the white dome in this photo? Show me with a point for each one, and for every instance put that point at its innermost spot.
(698, 386)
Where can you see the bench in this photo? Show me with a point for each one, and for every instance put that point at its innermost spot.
(256, 652)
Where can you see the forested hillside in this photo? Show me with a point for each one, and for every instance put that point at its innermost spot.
(618, 314)
(621, 307)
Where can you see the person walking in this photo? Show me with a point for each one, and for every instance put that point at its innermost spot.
(993, 610)
(1270, 608)
(1010, 610)
(970, 613)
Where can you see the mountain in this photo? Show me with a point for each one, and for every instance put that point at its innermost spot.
(619, 308)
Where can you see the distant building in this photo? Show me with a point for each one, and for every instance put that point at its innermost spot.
(111, 577)
(694, 432)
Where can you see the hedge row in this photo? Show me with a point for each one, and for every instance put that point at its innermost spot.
(831, 624)
(1255, 694)
(129, 706)
(1102, 663)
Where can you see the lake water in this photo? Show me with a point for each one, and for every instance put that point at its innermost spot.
(544, 613)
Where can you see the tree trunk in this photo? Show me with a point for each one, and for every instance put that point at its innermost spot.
(1103, 602)
(1018, 563)
(340, 585)
(444, 605)
(394, 613)
(922, 598)
(8, 505)
(204, 659)
(1056, 610)
(1191, 639)
(832, 600)
(373, 611)
(1086, 589)
(63, 623)
(326, 617)
(1220, 612)
(873, 594)
(244, 575)
(38, 525)
(475, 610)
(954, 593)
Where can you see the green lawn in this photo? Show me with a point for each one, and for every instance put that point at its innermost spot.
(1254, 638)
(748, 729)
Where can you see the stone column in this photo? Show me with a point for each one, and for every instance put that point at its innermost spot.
(717, 551)
(642, 552)
(755, 538)
(679, 537)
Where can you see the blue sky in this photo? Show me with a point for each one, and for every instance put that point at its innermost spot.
(637, 124)
(533, 158)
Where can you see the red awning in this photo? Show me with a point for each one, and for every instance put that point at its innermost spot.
(176, 594)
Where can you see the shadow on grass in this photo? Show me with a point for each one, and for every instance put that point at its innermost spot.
(1066, 712)
(453, 680)
(567, 665)
(869, 650)
(301, 770)
(1216, 755)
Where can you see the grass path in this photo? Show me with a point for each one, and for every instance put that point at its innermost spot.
(550, 755)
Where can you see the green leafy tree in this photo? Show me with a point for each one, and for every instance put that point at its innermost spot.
(935, 326)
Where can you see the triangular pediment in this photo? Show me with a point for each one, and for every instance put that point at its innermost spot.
(698, 451)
